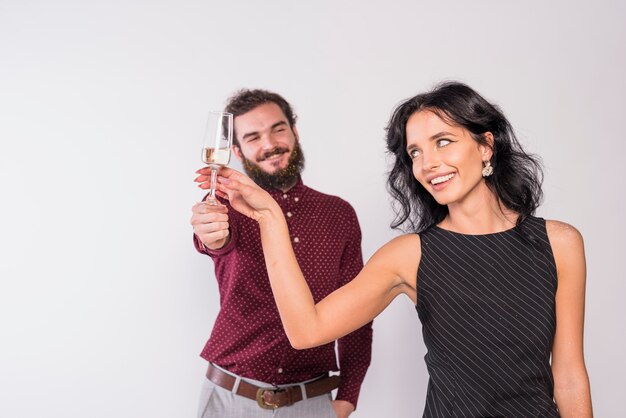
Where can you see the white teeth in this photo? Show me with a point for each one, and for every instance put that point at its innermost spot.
(441, 179)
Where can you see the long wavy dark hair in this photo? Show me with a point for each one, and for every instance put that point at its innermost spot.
(517, 176)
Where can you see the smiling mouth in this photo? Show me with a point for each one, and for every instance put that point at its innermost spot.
(273, 155)
(442, 179)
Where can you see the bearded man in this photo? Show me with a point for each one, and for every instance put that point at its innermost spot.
(253, 371)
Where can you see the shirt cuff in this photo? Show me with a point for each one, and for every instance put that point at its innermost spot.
(350, 386)
(230, 245)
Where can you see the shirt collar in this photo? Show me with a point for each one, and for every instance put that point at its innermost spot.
(295, 193)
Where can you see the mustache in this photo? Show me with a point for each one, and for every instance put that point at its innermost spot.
(273, 152)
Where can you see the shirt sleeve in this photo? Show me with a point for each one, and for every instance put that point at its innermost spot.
(355, 349)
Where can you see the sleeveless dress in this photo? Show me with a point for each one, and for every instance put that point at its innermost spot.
(487, 307)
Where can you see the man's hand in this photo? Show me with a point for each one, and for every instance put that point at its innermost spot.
(243, 194)
(343, 409)
(210, 224)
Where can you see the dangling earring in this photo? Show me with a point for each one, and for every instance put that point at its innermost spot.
(487, 169)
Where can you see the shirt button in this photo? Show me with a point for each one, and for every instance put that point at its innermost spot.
(296, 199)
(285, 196)
(296, 239)
(289, 214)
(280, 370)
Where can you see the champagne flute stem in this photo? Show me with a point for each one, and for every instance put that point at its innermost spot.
(211, 199)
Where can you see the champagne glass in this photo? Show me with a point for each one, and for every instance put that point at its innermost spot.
(218, 140)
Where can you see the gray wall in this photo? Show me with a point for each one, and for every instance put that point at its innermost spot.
(104, 304)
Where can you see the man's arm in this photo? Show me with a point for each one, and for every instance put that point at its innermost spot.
(355, 349)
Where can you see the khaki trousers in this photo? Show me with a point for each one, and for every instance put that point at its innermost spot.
(217, 402)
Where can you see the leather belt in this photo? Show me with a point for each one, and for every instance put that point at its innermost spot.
(272, 397)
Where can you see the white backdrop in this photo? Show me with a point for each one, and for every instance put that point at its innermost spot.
(105, 305)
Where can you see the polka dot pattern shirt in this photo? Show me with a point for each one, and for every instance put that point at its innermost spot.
(248, 337)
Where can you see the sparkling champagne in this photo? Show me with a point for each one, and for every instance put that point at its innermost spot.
(216, 156)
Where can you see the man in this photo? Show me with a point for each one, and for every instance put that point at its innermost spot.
(253, 370)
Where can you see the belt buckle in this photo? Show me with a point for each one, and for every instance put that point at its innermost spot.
(261, 401)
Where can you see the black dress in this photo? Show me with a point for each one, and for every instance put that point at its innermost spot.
(487, 307)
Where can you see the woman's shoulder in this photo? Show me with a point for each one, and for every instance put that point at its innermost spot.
(401, 256)
(405, 242)
(563, 234)
(567, 246)
(401, 252)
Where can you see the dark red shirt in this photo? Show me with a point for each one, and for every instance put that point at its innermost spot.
(248, 338)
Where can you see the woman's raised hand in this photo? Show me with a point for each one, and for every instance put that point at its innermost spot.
(244, 195)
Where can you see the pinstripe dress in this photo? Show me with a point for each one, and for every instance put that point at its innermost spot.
(487, 307)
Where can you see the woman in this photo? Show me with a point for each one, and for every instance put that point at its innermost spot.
(499, 292)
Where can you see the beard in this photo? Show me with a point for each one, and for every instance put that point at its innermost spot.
(281, 178)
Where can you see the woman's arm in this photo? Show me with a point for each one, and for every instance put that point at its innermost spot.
(571, 383)
(390, 272)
